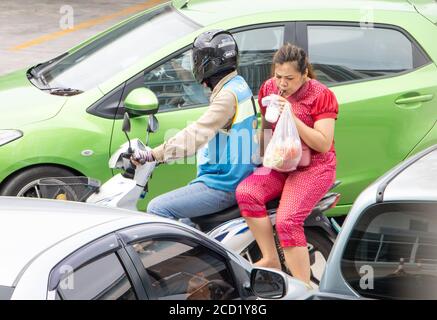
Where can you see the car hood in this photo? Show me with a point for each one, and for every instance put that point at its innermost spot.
(22, 103)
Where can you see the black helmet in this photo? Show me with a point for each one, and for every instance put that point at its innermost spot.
(213, 52)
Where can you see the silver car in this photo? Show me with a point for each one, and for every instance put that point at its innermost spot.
(387, 248)
(67, 250)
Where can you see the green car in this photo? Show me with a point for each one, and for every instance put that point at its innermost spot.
(64, 116)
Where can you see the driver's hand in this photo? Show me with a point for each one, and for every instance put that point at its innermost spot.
(142, 156)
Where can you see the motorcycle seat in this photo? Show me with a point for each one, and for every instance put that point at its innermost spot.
(212, 220)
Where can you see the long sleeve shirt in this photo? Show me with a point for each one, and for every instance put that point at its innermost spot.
(219, 115)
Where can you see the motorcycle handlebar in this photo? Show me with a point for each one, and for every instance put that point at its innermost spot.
(128, 156)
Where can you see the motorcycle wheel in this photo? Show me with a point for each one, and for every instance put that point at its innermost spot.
(319, 247)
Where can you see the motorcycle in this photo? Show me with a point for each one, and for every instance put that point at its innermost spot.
(125, 189)
(228, 227)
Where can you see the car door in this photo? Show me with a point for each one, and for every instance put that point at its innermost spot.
(386, 86)
(98, 271)
(178, 264)
(182, 100)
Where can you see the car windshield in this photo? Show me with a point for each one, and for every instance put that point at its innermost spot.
(117, 50)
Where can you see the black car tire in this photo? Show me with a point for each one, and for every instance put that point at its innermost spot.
(16, 184)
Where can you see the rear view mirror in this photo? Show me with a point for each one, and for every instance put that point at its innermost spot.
(126, 128)
(153, 124)
(268, 284)
(141, 101)
(126, 123)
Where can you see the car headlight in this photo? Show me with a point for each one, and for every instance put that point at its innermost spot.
(7, 136)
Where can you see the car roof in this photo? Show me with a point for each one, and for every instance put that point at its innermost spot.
(413, 179)
(210, 11)
(31, 226)
(427, 8)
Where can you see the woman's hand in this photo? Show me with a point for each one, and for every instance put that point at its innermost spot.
(318, 138)
(282, 103)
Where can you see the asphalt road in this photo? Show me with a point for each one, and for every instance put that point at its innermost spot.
(35, 31)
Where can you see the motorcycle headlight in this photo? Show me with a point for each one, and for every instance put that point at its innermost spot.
(7, 136)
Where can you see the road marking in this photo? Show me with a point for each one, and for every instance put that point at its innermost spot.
(86, 24)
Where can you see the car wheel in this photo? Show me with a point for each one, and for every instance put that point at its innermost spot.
(25, 184)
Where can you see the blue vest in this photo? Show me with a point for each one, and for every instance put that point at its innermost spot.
(231, 155)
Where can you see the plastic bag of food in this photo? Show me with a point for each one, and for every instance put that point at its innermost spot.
(284, 150)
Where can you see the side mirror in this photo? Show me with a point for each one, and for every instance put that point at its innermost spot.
(126, 128)
(140, 102)
(126, 123)
(268, 284)
(274, 284)
(153, 124)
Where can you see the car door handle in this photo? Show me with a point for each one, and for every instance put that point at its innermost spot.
(415, 99)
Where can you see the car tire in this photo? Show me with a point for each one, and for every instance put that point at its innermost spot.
(22, 183)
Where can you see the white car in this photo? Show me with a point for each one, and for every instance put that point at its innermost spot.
(387, 248)
(67, 250)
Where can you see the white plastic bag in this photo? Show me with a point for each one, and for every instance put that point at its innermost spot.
(284, 150)
(271, 103)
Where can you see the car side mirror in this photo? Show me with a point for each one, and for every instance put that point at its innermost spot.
(269, 283)
(140, 102)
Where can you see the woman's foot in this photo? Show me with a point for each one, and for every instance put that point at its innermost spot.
(268, 263)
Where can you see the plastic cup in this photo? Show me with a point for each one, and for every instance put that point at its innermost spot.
(272, 112)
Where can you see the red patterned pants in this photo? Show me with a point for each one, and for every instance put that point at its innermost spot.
(300, 191)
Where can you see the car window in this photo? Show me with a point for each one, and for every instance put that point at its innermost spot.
(118, 49)
(174, 84)
(102, 279)
(346, 53)
(257, 47)
(185, 272)
(107, 107)
(392, 253)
